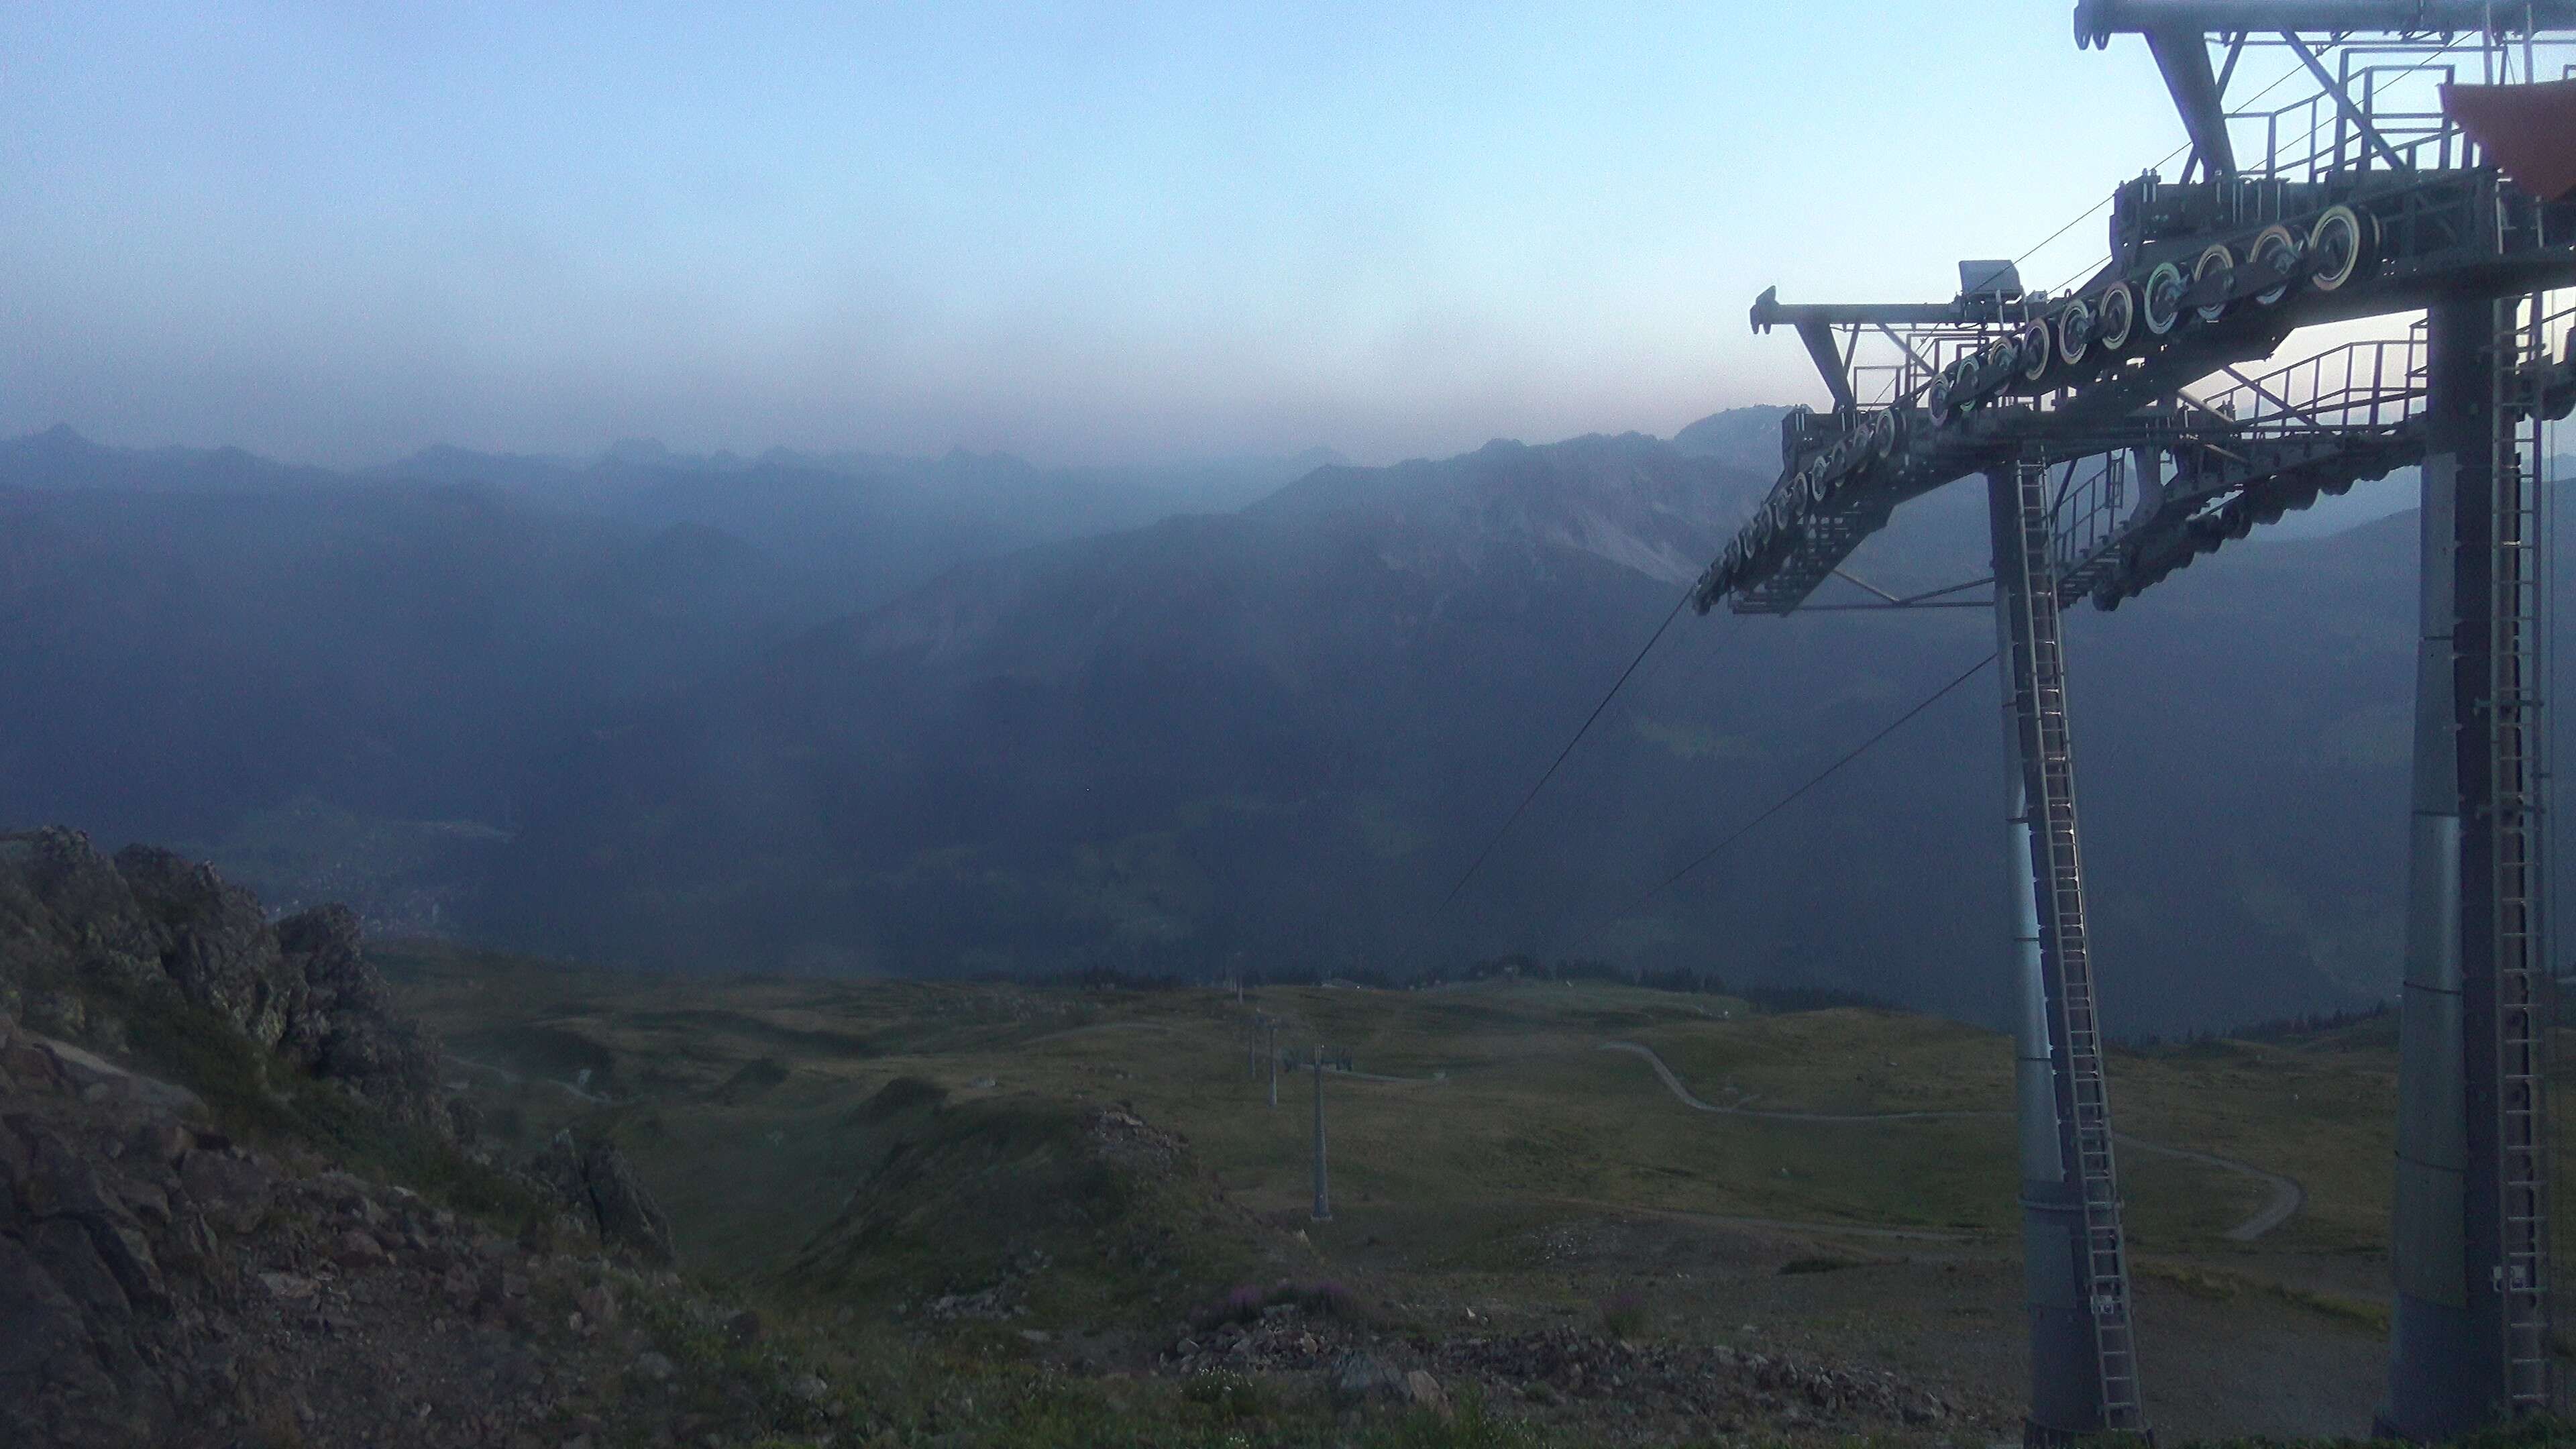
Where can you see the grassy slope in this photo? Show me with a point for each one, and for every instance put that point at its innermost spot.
(1518, 1106)
(1485, 1183)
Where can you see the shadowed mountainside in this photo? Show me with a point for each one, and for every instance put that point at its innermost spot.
(560, 711)
(335, 682)
(1274, 739)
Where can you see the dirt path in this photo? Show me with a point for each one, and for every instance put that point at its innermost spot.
(2287, 1196)
(1379, 1077)
(1684, 1092)
(1095, 1029)
(514, 1079)
(2286, 1200)
(1791, 1225)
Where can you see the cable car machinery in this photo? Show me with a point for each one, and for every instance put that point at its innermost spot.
(2120, 437)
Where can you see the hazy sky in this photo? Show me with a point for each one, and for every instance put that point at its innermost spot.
(339, 231)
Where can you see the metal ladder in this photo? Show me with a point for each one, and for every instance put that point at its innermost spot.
(2521, 964)
(2106, 1267)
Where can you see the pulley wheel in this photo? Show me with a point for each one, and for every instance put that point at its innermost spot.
(1963, 379)
(1880, 435)
(2002, 359)
(2161, 305)
(2339, 247)
(2218, 262)
(2074, 332)
(2038, 351)
(2115, 316)
(2274, 249)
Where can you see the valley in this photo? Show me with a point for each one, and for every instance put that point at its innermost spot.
(956, 716)
(1183, 726)
(1505, 1162)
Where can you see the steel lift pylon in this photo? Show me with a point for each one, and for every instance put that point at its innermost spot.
(2084, 1370)
(2469, 1238)
(2120, 438)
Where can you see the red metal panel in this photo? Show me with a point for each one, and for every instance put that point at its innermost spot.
(2529, 131)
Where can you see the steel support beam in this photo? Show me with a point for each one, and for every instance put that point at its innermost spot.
(1831, 365)
(2096, 21)
(1769, 312)
(2467, 1216)
(2182, 56)
(1323, 1187)
(2082, 1362)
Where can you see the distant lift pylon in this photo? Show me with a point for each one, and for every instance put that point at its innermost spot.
(2119, 439)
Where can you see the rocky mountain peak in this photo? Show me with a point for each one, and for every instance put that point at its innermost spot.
(152, 922)
(1634, 500)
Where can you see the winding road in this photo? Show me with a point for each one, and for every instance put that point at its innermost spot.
(514, 1079)
(2286, 1200)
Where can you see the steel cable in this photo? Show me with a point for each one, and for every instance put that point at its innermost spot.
(1785, 801)
(1550, 773)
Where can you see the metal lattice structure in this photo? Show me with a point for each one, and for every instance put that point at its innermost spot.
(2030, 631)
(2128, 422)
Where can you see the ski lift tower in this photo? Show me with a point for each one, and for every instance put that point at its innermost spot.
(2425, 166)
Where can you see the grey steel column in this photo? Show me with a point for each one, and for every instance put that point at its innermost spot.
(1274, 1064)
(2446, 1355)
(2067, 1387)
(1323, 1194)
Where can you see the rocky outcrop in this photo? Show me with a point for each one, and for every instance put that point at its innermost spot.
(347, 1029)
(1656, 1390)
(1710, 1384)
(213, 941)
(72, 921)
(162, 1285)
(600, 1185)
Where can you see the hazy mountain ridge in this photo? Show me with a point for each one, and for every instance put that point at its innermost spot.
(1268, 675)
(59, 458)
(1632, 500)
(207, 646)
(908, 517)
(1275, 738)
(1271, 737)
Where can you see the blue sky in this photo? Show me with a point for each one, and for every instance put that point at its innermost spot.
(339, 232)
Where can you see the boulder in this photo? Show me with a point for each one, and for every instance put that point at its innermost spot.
(64, 911)
(69, 892)
(600, 1184)
(348, 1030)
(44, 1346)
(153, 920)
(71, 1259)
(231, 1190)
(215, 942)
(62, 1189)
(1360, 1379)
(1425, 1392)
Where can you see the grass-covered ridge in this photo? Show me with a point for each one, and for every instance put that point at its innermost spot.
(1495, 1169)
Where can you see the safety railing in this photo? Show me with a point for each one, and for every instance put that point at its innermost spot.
(2368, 386)
(2091, 503)
(2554, 340)
(1915, 358)
(2357, 392)
(2396, 92)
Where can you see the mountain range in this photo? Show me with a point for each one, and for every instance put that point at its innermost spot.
(942, 716)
